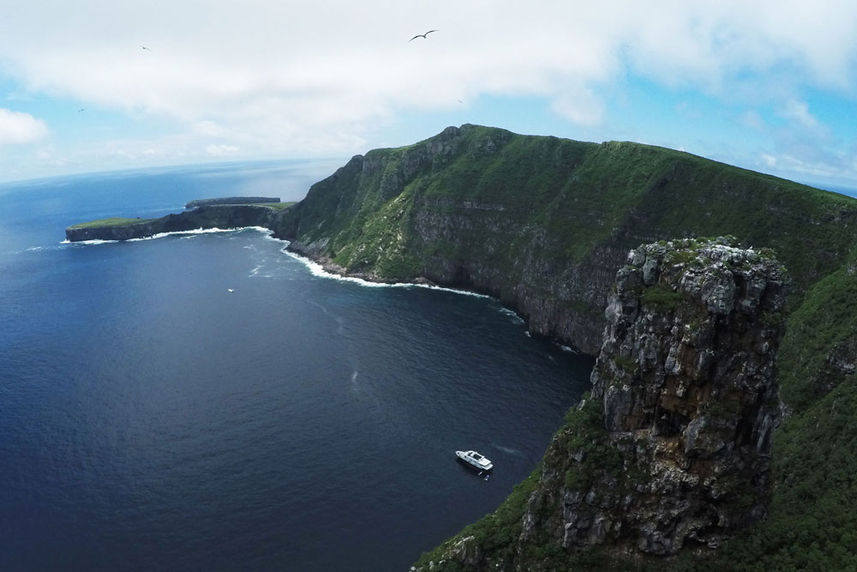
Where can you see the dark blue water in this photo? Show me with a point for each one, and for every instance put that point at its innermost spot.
(152, 419)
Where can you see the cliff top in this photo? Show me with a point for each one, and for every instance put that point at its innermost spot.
(110, 222)
(232, 201)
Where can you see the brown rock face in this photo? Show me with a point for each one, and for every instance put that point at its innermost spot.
(672, 448)
(685, 382)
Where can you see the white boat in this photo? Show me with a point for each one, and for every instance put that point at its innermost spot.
(475, 460)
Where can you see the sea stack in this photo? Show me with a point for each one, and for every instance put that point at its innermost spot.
(671, 449)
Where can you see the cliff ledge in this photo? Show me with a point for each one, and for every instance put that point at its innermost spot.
(672, 448)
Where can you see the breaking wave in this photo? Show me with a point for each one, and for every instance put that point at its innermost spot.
(317, 269)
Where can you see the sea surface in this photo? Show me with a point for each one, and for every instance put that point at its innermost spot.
(205, 401)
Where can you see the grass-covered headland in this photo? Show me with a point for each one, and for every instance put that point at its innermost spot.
(206, 213)
(110, 222)
(544, 223)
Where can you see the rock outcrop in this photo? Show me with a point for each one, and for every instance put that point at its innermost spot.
(542, 223)
(673, 446)
(685, 379)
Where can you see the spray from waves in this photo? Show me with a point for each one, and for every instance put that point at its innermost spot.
(183, 233)
(92, 242)
(508, 450)
(317, 269)
(568, 349)
(515, 317)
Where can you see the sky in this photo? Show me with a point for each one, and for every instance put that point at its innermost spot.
(94, 85)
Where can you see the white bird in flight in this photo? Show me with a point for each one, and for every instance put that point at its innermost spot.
(423, 36)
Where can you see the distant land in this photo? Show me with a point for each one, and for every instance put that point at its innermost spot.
(231, 201)
(544, 224)
(232, 212)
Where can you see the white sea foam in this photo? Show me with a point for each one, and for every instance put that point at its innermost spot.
(516, 318)
(91, 242)
(317, 269)
(568, 349)
(194, 232)
(508, 450)
(182, 233)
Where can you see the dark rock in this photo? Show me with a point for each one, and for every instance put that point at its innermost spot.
(689, 400)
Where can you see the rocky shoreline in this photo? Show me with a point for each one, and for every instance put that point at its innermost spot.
(201, 217)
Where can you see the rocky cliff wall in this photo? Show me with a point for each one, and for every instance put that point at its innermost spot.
(543, 223)
(685, 380)
(673, 446)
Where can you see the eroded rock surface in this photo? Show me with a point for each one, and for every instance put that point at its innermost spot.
(672, 447)
(685, 384)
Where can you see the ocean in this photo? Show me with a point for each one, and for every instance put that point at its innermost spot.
(205, 401)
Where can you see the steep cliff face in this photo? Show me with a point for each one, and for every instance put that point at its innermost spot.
(673, 446)
(685, 379)
(544, 223)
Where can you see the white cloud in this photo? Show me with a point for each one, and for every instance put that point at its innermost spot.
(221, 150)
(798, 112)
(753, 120)
(292, 77)
(580, 106)
(17, 127)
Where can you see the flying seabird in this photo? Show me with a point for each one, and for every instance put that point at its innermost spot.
(144, 47)
(423, 36)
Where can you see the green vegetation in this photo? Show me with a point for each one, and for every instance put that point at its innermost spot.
(278, 206)
(534, 213)
(496, 532)
(660, 297)
(584, 433)
(824, 322)
(111, 222)
(812, 523)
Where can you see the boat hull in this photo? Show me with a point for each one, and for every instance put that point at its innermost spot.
(472, 464)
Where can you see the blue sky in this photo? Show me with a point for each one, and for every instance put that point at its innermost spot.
(767, 85)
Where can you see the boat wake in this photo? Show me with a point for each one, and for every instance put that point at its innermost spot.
(508, 450)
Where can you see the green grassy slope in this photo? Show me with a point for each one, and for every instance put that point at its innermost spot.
(110, 222)
(507, 200)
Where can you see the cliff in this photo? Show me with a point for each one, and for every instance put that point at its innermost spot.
(231, 201)
(544, 224)
(673, 447)
(215, 216)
